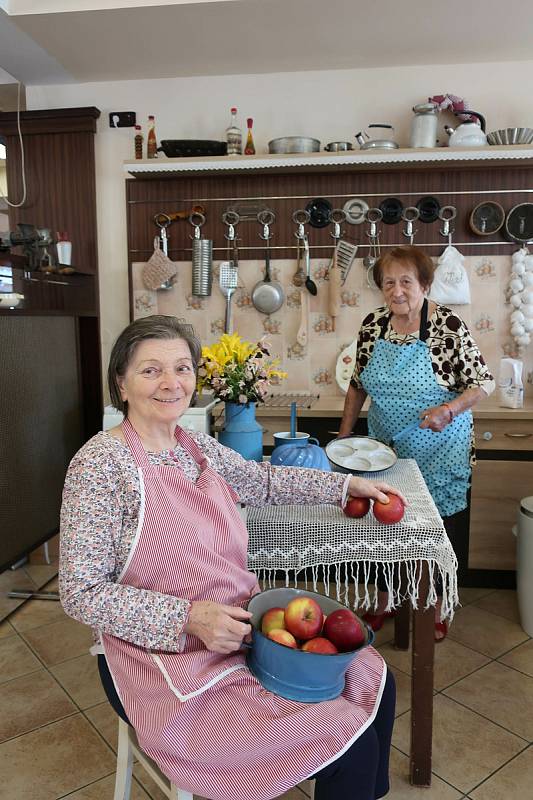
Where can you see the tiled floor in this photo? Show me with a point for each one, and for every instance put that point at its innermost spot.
(58, 733)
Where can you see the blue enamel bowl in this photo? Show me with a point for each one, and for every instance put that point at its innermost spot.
(293, 674)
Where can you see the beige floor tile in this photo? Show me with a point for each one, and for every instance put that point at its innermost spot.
(104, 790)
(41, 573)
(60, 641)
(487, 633)
(35, 613)
(11, 580)
(6, 629)
(401, 789)
(16, 659)
(469, 594)
(80, 677)
(466, 747)
(452, 661)
(502, 602)
(520, 658)
(511, 782)
(105, 721)
(52, 761)
(403, 690)
(52, 586)
(500, 693)
(31, 701)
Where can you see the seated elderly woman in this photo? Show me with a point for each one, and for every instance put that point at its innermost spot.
(153, 557)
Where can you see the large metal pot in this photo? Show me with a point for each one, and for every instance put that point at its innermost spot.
(294, 144)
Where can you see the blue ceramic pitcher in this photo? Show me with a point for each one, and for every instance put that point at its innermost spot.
(300, 450)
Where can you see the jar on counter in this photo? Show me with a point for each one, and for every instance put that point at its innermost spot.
(424, 125)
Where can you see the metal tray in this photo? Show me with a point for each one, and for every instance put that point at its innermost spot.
(360, 454)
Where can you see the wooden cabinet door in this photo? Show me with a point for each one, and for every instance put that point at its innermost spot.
(497, 488)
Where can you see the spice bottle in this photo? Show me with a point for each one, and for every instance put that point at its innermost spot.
(249, 150)
(234, 136)
(151, 142)
(139, 138)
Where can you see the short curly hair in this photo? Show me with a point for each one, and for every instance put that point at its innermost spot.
(408, 256)
(157, 326)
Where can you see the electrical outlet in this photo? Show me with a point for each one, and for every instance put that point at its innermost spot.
(122, 119)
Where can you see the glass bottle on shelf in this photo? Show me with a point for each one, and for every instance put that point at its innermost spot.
(151, 141)
(139, 138)
(249, 150)
(234, 136)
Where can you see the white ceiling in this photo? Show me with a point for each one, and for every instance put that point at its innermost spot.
(104, 40)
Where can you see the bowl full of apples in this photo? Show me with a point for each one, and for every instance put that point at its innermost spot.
(303, 643)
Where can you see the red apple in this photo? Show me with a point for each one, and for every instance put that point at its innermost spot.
(390, 512)
(357, 507)
(344, 630)
(303, 617)
(319, 645)
(273, 618)
(281, 636)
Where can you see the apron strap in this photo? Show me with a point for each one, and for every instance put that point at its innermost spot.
(135, 444)
(424, 327)
(190, 447)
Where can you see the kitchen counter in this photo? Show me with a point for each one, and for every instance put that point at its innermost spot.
(333, 406)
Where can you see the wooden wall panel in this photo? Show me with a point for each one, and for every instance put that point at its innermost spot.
(462, 187)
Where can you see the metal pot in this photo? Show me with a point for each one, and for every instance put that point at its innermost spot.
(294, 144)
(337, 147)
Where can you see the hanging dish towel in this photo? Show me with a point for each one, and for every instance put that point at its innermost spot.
(158, 269)
(450, 284)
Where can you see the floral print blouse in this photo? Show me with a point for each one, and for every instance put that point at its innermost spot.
(99, 517)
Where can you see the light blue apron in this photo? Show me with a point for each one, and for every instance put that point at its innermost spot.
(400, 381)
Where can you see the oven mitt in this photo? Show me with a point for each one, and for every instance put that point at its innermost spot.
(450, 283)
(158, 269)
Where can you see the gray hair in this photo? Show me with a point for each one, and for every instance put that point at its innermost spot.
(158, 326)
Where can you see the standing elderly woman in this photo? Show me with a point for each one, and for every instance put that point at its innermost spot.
(423, 372)
(153, 557)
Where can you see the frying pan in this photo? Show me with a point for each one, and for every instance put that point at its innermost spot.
(486, 218)
(519, 223)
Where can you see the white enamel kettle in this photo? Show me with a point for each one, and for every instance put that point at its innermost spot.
(468, 133)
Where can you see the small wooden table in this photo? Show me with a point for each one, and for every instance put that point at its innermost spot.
(303, 538)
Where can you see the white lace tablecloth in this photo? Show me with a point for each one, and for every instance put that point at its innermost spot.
(296, 539)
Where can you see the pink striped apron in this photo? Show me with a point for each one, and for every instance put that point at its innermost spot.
(202, 716)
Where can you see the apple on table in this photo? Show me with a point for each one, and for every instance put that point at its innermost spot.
(388, 513)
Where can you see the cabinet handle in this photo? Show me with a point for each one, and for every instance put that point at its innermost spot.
(487, 436)
(518, 435)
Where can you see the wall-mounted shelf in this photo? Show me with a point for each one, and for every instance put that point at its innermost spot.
(347, 161)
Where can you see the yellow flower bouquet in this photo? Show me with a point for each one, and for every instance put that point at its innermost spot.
(237, 371)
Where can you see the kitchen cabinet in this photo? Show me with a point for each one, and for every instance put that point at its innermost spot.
(501, 477)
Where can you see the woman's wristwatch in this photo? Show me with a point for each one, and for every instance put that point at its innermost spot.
(450, 411)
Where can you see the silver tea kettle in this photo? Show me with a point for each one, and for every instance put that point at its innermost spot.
(468, 133)
(367, 143)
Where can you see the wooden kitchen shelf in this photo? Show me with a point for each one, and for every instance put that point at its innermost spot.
(316, 162)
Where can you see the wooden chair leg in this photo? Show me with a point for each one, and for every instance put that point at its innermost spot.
(124, 763)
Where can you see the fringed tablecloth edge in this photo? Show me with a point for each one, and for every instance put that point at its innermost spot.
(402, 580)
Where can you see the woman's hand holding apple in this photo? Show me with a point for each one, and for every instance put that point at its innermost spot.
(362, 487)
(221, 628)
